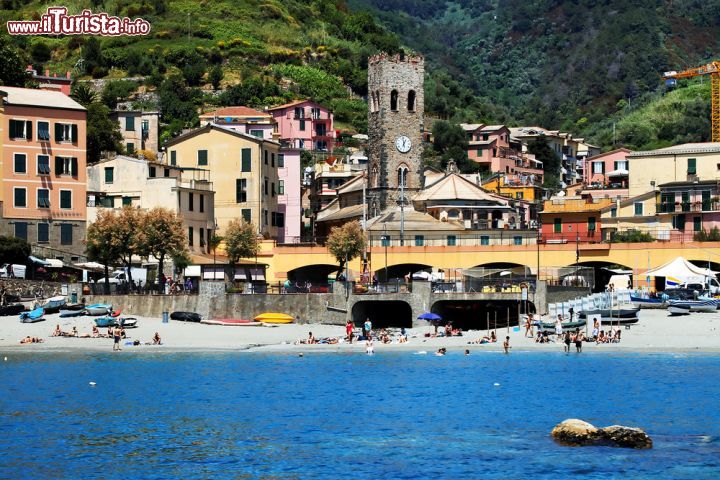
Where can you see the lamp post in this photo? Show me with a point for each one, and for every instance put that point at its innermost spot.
(386, 241)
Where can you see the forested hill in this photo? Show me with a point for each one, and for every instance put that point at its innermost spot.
(557, 63)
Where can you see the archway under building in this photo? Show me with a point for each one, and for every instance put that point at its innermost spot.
(383, 313)
(714, 266)
(603, 272)
(482, 314)
(315, 274)
(399, 271)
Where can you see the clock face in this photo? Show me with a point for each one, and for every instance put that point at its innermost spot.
(403, 144)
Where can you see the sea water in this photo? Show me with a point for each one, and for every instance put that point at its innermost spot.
(392, 415)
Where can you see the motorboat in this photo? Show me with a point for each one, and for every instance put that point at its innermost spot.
(186, 316)
(678, 309)
(53, 304)
(611, 312)
(232, 322)
(33, 316)
(104, 322)
(647, 302)
(693, 305)
(127, 322)
(567, 326)
(72, 310)
(98, 309)
(13, 309)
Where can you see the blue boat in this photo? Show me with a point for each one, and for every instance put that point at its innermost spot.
(646, 302)
(98, 309)
(104, 322)
(54, 304)
(33, 316)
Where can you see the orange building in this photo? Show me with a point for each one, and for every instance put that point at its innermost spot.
(43, 170)
(572, 219)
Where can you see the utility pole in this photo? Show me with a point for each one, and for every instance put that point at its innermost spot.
(402, 210)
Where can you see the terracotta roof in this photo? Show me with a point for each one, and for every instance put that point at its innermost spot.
(211, 126)
(353, 185)
(611, 152)
(456, 187)
(293, 103)
(413, 221)
(574, 205)
(39, 98)
(235, 112)
(353, 211)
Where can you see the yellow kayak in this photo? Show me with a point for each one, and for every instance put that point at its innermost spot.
(274, 318)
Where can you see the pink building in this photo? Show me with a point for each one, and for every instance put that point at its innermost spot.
(51, 82)
(490, 146)
(243, 120)
(305, 124)
(606, 175)
(289, 196)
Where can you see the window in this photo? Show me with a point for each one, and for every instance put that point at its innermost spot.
(202, 157)
(679, 222)
(281, 187)
(126, 201)
(246, 155)
(519, 195)
(411, 101)
(43, 131)
(246, 215)
(66, 166)
(557, 225)
(43, 198)
(280, 217)
(697, 224)
(43, 232)
(272, 189)
(109, 171)
(20, 163)
(173, 157)
(517, 240)
(65, 199)
(598, 167)
(302, 125)
(153, 172)
(315, 113)
(419, 240)
(66, 236)
(265, 186)
(191, 201)
(202, 237)
(394, 100)
(19, 197)
(281, 160)
(273, 219)
(240, 190)
(484, 240)
(65, 132)
(692, 166)
(385, 241)
(591, 224)
(166, 172)
(613, 212)
(130, 124)
(299, 112)
(272, 159)
(621, 165)
(402, 176)
(21, 230)
(43, 165)
(265, 152)
(202, 203)
(256, 133)
(145, 126)
(190, 236)
(130, 148)
(108, 202)
(265, 217)
(638, 209)
(20, 129)
(451, 240)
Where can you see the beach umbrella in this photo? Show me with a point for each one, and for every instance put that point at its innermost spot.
(430, 317)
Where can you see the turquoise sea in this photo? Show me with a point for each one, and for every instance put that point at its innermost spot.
(395, 415)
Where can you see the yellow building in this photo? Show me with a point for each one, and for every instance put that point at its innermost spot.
(687, 162)
(243, 169)
(513, 187)
(634, 213)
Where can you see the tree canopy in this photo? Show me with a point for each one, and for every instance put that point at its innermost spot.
(14, 250)
(346, 243)
(241, 240)
(164, 235)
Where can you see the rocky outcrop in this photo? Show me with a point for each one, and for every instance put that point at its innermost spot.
(577, 433)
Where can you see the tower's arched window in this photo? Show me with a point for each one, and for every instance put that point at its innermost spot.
(411, 101)
(374, 176)
(402, 176)
(394, 100)
(373, 105)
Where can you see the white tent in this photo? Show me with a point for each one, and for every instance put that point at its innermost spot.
(680, 270)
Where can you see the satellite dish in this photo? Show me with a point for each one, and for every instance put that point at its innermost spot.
(308, 169)
(561, 194)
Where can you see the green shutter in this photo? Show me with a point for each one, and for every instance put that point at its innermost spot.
(591, 224)
(247, 215)
(20, 197)
(281, 160)
(130, 148)
(109, 175)
(65, 199)
(557, 228)
(74, 133)
(74, 166)
(28, 133)
(59, 165)
(173, 157)
(58, 132)
(692, 167)
(697, 224)
(130, 124)
(202, 157)
(246, 160)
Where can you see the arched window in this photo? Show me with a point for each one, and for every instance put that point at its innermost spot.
(394, 100)
(402, 176)
(372, 102)
(411, 101)
(374, 176)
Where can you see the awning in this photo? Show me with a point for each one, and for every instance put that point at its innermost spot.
(213, 273)
(257, 273)
(55, 263)
(98, 267)
(39, 261)
(240, 274)
(193, 271)
(621, 172)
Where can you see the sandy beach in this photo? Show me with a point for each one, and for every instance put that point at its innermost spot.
(656, 331)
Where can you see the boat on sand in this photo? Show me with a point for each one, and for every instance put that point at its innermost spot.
(272, 317)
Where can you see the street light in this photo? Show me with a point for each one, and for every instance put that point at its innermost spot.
(386, 242)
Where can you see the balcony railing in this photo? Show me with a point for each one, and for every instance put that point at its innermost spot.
(687, 207)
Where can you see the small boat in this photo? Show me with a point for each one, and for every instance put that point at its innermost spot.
(128, 322)
(33, 316)
(567, 326)
(619, 321)
(104, 322)
(646, 302)
(11, 309)
(270, 317)
(186, 316)
(53, 304)
(694, 305)
(678, 309)
(232, 322)
(98, 309)
(612, 312)
(72, 310)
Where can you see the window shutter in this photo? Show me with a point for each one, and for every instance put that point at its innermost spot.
(58, 132)
(74, 167)
(238, 189)
(74, 134)
(28, 133)
(58, 165)
(246, 160)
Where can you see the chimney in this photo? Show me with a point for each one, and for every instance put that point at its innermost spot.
(47, 73)
(67, 75)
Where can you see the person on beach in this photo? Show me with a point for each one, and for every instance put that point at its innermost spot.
(448, 329)
(558, 327)
(367, 328)
(95, 332)
(567, 342)
(156, 339)
(578, 339)
(57, 332)
(596, 329)
(506, 345)
(310, 340)
(493, 337)
(529, 325)
(349, 331)
(116, 339)
(369, 349)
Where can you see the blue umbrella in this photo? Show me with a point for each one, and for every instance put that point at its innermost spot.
(430, 316)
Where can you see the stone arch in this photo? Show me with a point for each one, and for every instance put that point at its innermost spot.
(394, 100)
(402, 175)
(411, 101)
(383, 313)
(375, 176)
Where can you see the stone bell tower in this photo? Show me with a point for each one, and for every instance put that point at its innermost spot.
(396, 110)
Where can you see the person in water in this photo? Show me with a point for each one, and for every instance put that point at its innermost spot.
(506, 345)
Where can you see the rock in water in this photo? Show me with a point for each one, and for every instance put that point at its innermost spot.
(577, 433)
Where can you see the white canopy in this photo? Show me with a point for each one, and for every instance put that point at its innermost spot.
(54, 263)
(680, 269)
(620, 172)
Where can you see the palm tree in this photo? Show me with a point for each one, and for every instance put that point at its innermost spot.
(84, 94)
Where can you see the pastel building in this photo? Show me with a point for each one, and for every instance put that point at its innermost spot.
(242, 119)
(490, 146)
(289, 195)
(305, 125)
(42, 170)
(572, 219)
(607, 175)
(122, 180)
(140, 130)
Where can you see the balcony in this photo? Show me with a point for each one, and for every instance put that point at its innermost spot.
(687, 207)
